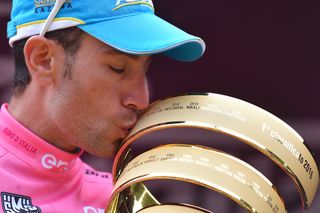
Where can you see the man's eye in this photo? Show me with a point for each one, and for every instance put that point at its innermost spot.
(117, 70)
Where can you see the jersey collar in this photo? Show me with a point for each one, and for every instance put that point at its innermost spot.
(39, 154)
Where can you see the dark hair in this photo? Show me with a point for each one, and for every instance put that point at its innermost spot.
(69, 39)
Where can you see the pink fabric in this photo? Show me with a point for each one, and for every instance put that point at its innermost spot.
(38, 177)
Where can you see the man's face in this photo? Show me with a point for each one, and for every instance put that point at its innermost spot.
(96, 108)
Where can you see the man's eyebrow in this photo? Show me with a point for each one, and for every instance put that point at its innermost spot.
(117, 52)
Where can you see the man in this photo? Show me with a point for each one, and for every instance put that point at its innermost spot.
(79, 84)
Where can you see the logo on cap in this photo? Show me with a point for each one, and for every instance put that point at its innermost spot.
(42, 6)
(123, 3)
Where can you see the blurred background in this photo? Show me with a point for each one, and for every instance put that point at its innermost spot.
(264, 52)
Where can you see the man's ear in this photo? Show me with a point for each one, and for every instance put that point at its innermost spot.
(39, 58)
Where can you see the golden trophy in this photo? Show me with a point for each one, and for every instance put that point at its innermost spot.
(206, 166)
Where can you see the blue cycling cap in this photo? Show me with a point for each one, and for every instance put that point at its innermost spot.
(129, 26)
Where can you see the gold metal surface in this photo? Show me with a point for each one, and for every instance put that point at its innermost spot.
(173, 208)
(203, 166)
(239, 119)
(132, 199)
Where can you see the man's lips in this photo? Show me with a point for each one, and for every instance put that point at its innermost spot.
(126, 128)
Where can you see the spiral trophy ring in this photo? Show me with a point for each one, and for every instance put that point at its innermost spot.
(206, 166)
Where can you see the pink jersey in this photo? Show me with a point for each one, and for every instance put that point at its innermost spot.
(38, 177)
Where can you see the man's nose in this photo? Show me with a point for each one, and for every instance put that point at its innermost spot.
(137, 96)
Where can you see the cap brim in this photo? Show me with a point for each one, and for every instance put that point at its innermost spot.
(146, 34)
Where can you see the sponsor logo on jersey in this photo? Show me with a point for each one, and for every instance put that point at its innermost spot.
(90, 209)
(50, 162)
(16, 139)
(97, 174)
(123, 3)
(14, 203)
